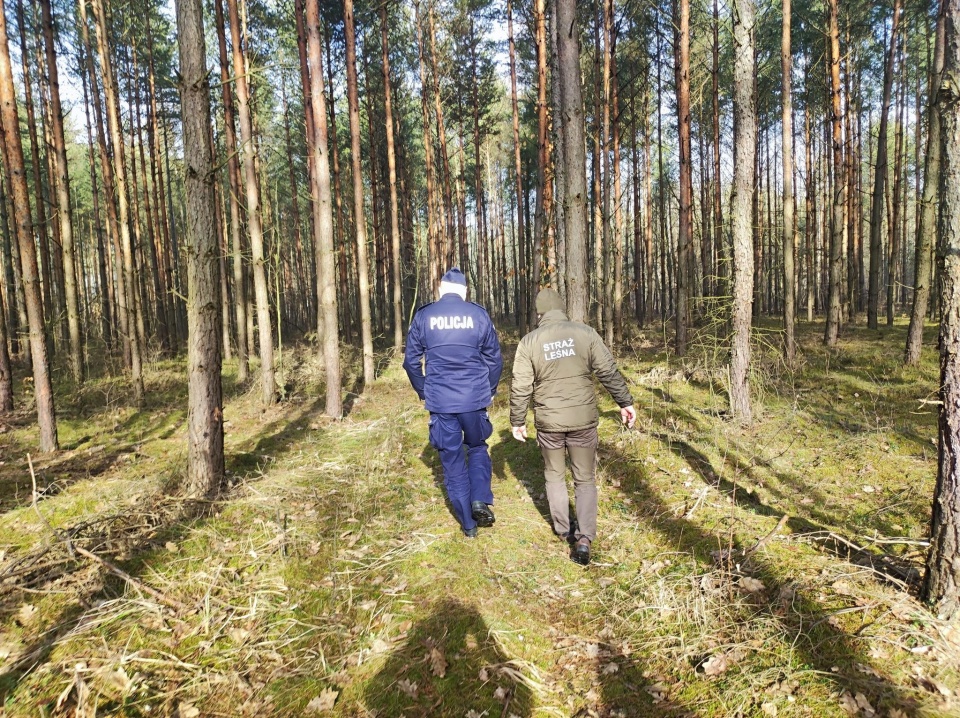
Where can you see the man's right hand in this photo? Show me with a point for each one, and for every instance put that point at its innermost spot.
(519, 433)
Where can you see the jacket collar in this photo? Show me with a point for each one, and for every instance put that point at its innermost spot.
(451, 297)
(554, 315)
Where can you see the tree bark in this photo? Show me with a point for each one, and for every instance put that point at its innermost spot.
(574, 156)
(254, 217)
(832, 328)
(120, 180)
(392, 178)
(13, 160)
(521, 269)
(880, 176)
(366, 329)
(744, 167)
(685, 224)
(941, 586)
(789, 249)
(323, 237)
(205, 465)
(927, 228)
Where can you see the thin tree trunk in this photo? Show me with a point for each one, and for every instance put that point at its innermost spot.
(120, 179)
(927, 229)
(832, 328)
(434, 231)
(685, 224)
(521, 269)
(353, 99)
(897, 206)
(789, 250)
(880, 176)
(254, 217)
(744, 165)
(13, 161)
(392, 178)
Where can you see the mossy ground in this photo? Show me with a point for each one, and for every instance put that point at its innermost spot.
(332, 567)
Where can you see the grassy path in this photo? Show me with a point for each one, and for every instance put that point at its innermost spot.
(333, 580)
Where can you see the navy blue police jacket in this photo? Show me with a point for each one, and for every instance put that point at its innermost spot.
(462, 364)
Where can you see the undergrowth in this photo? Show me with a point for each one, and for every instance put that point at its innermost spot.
(763, 571)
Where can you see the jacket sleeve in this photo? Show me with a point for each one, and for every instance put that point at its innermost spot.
(522, 388)
(413, 354)
(605, 367)
(490, 351)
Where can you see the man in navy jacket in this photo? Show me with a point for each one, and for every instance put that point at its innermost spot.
(457, 379)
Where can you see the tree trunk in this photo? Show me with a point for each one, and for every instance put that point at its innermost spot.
(323, 223)
(13, 161)
(789, 250)
(392, 178)
(744, 165)
(6, 376)
(927, 228)
(366, 329)
(941, 586)
(120, 179)
(521, 268)
(254, 219)
(880, 176)
(574, 156)
(434, 231)
(685, 224)
(832, 328)
(723, 267)
(205, 466)
(897, 204)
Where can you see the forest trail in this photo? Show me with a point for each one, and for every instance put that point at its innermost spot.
(333, 580)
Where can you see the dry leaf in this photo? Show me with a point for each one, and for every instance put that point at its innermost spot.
(592, 696)
(610, 668)
(438, 663)
(171, 547)
(501, 694)
(473, 714)
(769, 709)
(484, 675)
(408, 687)
(26, 614)
(119, 680)
(715, 665)
(323, 702)
(379, 646)
(238, 635)
(658, 691)
(187, 710)
(592, 650)
(751, 585)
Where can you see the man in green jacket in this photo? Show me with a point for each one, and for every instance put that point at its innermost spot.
(554, 365)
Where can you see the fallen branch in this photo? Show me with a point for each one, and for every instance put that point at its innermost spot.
(140, 585)
(766, 539)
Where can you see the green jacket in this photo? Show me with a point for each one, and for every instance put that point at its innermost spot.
(553, 365)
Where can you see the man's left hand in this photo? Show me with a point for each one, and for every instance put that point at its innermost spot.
(628, 415)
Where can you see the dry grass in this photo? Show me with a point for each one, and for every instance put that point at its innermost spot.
(767, 571)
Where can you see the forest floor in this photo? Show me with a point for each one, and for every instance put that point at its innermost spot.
(769, 571)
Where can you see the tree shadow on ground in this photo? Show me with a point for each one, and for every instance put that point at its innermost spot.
(525, 462)
(431, 460)
(450, 664)
(807, 627)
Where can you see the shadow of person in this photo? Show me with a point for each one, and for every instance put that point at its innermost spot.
(526, 464)
(431, 460)
(450, 665)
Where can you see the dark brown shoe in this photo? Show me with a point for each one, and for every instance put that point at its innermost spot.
(581, 551)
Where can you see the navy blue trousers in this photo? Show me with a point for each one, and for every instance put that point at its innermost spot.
(466, 473)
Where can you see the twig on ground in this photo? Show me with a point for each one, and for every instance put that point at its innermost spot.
(763, 542)
(140, 585)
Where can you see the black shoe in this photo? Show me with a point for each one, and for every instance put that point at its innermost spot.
(470, 533)
(571, 535)
(581, 551)
(482, 514)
